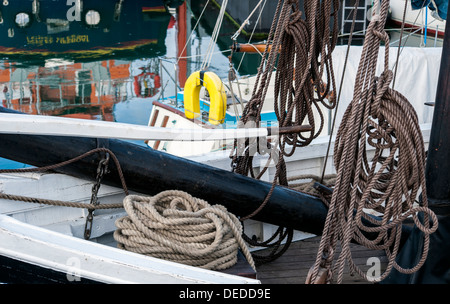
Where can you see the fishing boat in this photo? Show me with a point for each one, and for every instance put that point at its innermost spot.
(170, 112)
(128, 170)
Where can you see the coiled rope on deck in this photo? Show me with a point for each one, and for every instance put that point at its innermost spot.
(175, 226)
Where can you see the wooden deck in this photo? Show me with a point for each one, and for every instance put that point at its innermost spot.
(293, 266)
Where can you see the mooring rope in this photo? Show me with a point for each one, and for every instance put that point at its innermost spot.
(175, 226)
(91, 206)
(388, 182)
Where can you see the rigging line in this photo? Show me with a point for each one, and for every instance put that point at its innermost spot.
(399, 45)
(215, 34)
(193, 30)
(251, 35)
(412, 26)
(355, 10)
(246, 21)
(167, 59)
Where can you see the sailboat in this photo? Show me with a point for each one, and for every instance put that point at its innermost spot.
(54, 244)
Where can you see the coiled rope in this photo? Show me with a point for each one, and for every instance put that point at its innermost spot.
(307, 45)
(172, 225)
(302, 48)
(175, 226)
(389, 184)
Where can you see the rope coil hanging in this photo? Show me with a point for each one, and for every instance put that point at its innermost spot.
(302, 48)
(175, 226)
(388, 182)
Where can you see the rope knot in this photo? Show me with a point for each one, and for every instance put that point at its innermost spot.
(175, 226)
(382, 35)
(380, 87)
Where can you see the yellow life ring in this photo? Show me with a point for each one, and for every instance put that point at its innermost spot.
(216, 90)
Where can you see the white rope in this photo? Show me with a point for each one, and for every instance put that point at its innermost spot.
(175, 226)
(246, 21)
(215, 34)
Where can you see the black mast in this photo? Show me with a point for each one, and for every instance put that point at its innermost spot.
(436, 269)
(438, 159)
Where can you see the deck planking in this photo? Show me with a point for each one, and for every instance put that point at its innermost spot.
(293, 266)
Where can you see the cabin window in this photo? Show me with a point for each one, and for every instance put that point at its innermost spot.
(22, 19)
(92, 18)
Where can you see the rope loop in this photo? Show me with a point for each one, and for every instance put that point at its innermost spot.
(175, 226)
(387, 179)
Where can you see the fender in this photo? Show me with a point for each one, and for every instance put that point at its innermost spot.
(216, 90)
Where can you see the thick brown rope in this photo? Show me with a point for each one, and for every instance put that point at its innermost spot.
(175, 226)
(302, 42)
(389, 184)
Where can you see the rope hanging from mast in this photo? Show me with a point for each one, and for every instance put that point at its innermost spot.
(389, 182)
(299, 45)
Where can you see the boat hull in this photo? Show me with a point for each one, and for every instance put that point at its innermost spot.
(149, 172)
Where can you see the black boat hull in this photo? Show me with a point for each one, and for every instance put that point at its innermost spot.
(149, 172)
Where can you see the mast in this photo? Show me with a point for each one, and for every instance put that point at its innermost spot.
(438, 159)
(437, 266)
(181, 43)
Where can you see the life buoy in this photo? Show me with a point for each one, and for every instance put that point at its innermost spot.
(216, 90)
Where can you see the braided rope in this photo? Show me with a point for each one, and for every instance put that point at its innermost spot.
(305, 54)
(175, 226)
(389, 184)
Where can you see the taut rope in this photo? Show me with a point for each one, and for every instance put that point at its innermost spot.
(59, 165)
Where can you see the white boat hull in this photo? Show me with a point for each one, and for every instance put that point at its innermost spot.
(416, 19)
(50, 238)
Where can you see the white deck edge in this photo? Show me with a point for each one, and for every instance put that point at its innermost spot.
(86, 259)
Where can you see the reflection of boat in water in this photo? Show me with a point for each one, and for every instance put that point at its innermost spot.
(86, 28)
(84, 89)
(79, 59)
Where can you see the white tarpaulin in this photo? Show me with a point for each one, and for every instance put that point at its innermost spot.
(416, 79)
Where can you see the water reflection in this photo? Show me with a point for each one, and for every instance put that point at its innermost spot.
(77, 89)
(107, 54)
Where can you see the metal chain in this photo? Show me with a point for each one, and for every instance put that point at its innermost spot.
(102, 169)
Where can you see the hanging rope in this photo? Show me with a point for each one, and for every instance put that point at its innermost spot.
(305, 55)
(175, 226)
(388, 182)
(301, 50)
(304, 58)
